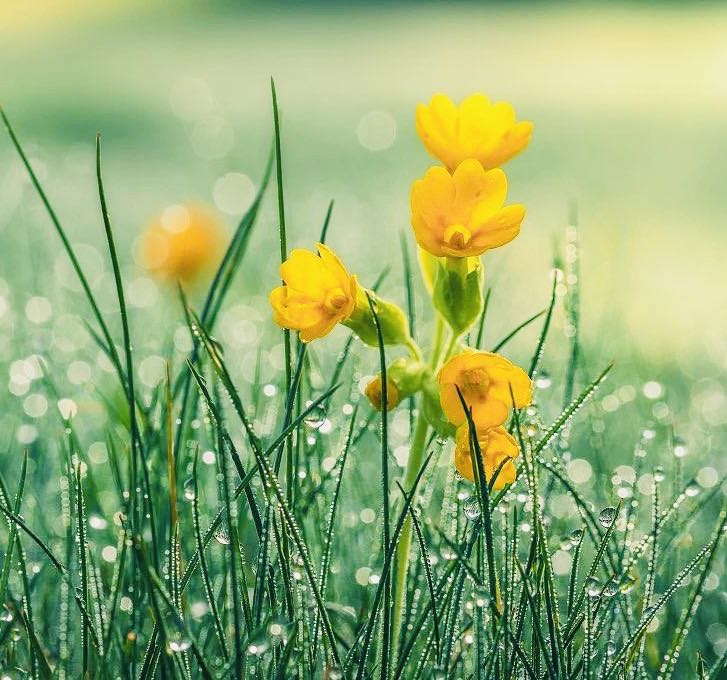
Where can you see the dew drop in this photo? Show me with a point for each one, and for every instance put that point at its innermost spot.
(593, 587)
(607, 516)
(692, 489)
(576, 536)
(222, 537)
(472, 509)
(189, 489)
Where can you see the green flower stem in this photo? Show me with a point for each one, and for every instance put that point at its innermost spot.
(438, 338)
(413, 348)
(403, 548)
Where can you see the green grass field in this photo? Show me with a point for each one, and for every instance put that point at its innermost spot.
(603, 560)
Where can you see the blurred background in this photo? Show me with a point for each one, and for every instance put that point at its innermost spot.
(628, 100)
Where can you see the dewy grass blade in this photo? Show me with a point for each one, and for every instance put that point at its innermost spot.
(426, 563)
(671, 656)
(538, 354)
(13, 532)
(283, 238)
(206, 580)
(408, 284)
(330, 526)
(113, 354)
(326, 224)
(568, 412)
(481, 321)
(217, 291)
(386, 528)
(234, 552)
(483, 494)
(83, 563)
(516, 330)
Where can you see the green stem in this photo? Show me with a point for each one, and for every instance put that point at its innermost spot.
(451, 347)
(403, 548)
(414, 350)
(437, 344)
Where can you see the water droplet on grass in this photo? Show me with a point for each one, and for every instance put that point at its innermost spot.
(607, 516)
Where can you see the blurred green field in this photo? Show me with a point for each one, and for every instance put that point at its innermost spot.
(628, 101)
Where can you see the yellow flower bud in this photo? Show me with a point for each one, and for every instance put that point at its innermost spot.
(182, 243)
(404, 377)
(374, 392)
(496, 446)
(318, 293)
(475, 129)
(485, 380)
(462, 215)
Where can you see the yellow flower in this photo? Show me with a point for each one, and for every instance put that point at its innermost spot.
(182, 243)
(375, 394)
(485, 380)
(476, 129)
(318, 293)
(496, 446)
(462, 215)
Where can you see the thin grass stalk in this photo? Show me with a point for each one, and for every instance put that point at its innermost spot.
(113, 354)
(330, 526)
(386, 528)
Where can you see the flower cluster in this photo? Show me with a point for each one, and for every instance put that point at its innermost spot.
(458, 212)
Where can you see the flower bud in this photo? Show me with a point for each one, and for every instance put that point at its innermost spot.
(457, 293)
(404, 378)
(393, 321)
(374, 392)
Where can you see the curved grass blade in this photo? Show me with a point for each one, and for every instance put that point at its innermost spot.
(66, 246)
(516, 330)
(538, 354)
(386, 528)
(424, 554)
(330, 525)
(13, 532)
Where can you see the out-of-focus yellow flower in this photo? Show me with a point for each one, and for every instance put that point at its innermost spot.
(485, 380)
(474, 129)
(318, 293)
(496, 446)
(462, 215)
(374, 392)
(183, 242)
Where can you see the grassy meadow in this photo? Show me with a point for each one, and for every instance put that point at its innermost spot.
(188, 491)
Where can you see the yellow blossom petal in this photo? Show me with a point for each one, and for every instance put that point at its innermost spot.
(484, 379)
(462, 215)
(476, 129)
(496, 446)
(318, 293)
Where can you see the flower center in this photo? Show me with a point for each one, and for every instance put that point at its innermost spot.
(476, 382)
(457, 236)
(335, 300)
